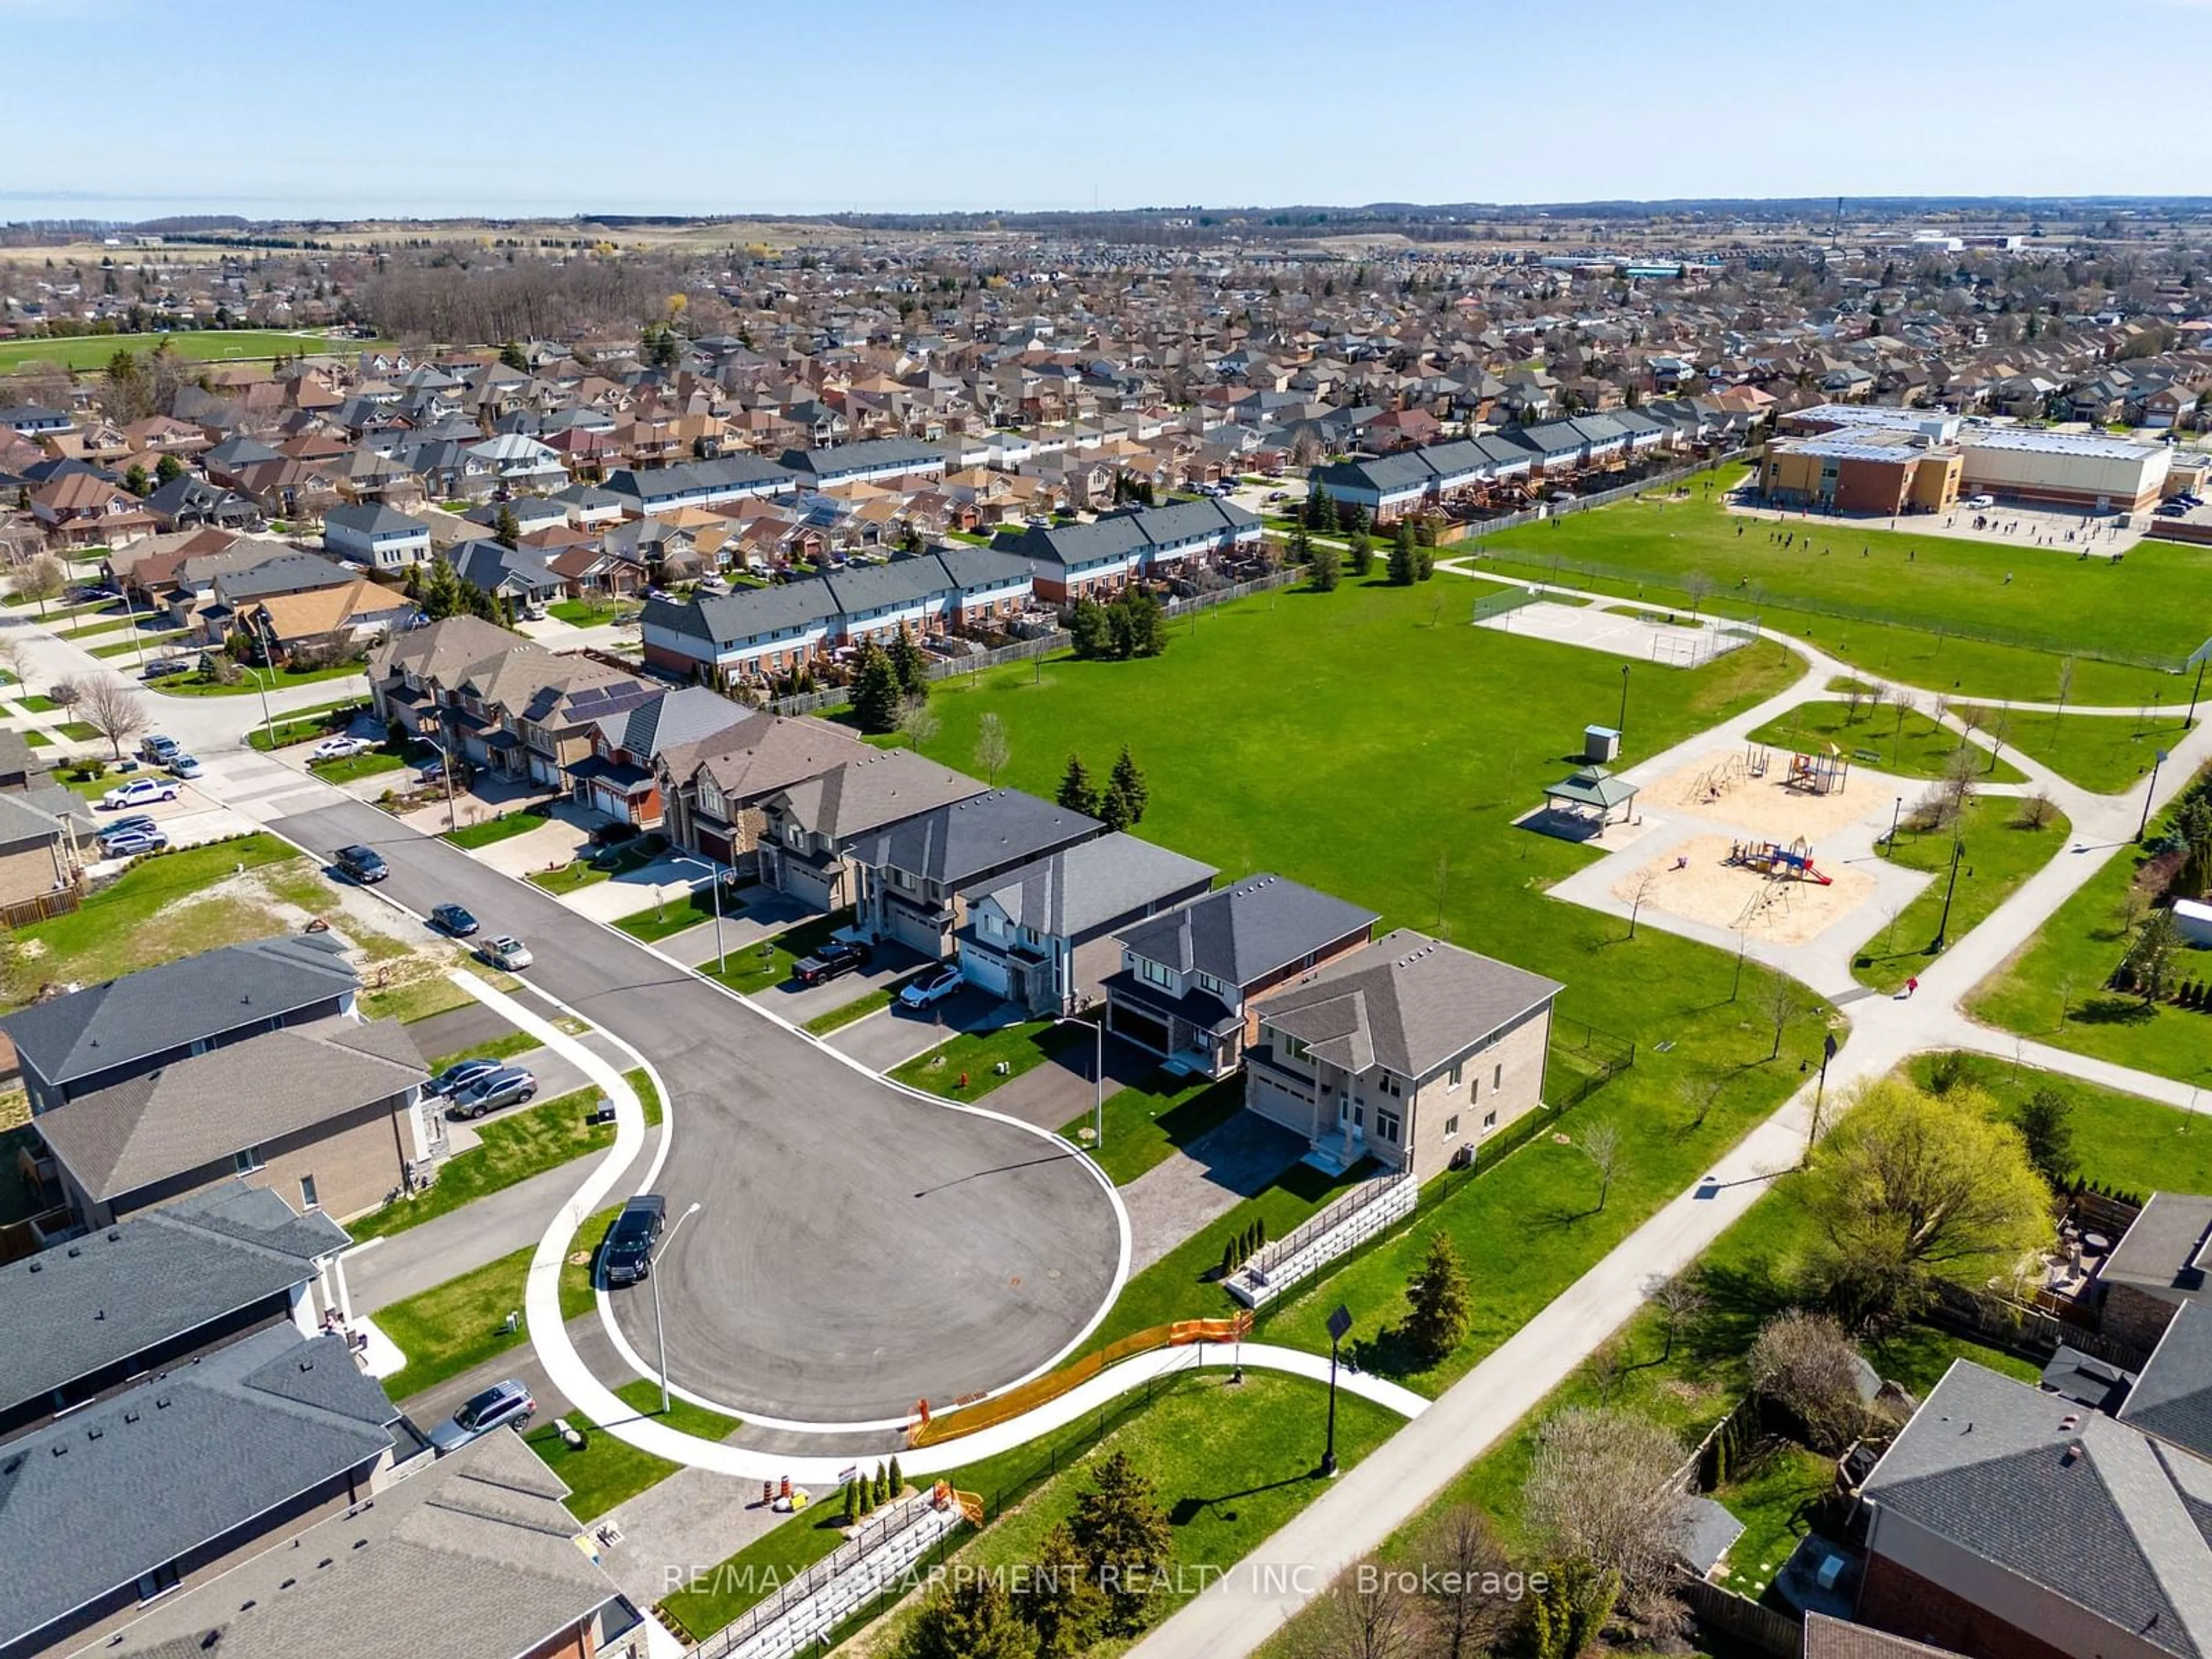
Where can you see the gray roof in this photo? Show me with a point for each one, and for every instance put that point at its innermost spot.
(156, 1009)
(1408, 1003)
(1091, 885)
(2062, 1497)
(15, 753)
(1244, 932)
(2167, 1249)
(692, 714)
(751, 613)
(867, 454)
(961, 839)
(373, 518)
(695, 477)
(195, 1111)
(2173, 1397)
(287, 573)
(876, 789)
(112, 1492)
(22, 824)
(1592, 786)
(76, 1308)
(473, 1556)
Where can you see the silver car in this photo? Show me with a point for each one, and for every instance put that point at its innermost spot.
(503, 1405)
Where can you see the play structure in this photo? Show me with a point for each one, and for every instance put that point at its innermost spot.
(1818, 774)
(1779, 863)
(1720, 777)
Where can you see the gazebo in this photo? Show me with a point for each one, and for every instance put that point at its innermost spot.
(1592, 798)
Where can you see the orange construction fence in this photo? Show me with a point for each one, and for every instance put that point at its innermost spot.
(927, 1429)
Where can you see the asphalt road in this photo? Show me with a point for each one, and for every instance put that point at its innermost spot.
(857, 1249)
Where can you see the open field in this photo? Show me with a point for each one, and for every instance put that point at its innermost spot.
(2121, 1141)
(1908, 590)
(1900, 741)
(83, 351)
(2106, 754)
(1998, 851)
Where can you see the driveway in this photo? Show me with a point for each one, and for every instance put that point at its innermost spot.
(896, 1034)
(788, 999)
(857, 1249)
(1232, 1162)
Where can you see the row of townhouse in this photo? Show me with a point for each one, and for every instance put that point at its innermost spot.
(1071, 562)
(1435, 475)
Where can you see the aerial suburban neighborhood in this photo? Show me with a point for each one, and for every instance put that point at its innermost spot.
(1388, 931)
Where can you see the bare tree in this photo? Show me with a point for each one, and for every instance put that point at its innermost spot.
(1700, 1091)
(915, 723)
(14, 661)
(1601, 1144)
(1999, 729)
(1781, 1008)
(992, 750)
(65, 693)
(114, 710)
(1699, 586)
(1805, 1364)
(1600, 1491)
(2065, 688)
(1367, 1613)
(1855, 696)
(1680, 1297)
(1466, 1616)
(1960, 788)
(2037, 810)
(40, 581)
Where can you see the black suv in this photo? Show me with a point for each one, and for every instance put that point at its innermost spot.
(839, 956)
(363, 863)
(627, 1256)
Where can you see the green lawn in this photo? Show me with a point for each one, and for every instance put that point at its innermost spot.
(485, 831)
(500, 1047)
(978, 1056)
(451, 1327)
(105, 624)
(1773, 1499)
(157, 911)
(663, 919)
(602, 866)
(35, 704)
(2054, 989)
(152, 642)
(37, 740)
(369, 763)
(769, 962)
(868, 1002)
(589, 613)
(1998, 851)
(2153, 602)
(306, 724)
(719, 1595)
(78, 732)
(2104, 753)
(198, 345)
(250, 681)
(1912, 747)
(515, 1146)
(1148, 1122)
(2121, 1141)
(609, 1472)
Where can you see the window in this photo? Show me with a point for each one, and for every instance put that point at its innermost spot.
(1458, 1067)
(307, 1199)
(1293, 1048)
(159, 1582)
(248, 1161)
(1153, 973)
(1497, 1075)
(1393, 1087)
(1451, 1128)
(1386, 1125)
(710, 798)
(1489, 1121)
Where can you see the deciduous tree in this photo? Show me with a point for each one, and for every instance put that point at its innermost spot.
(1805, 1364)
(1600, 1492)
(992, 750)
(112, 709)
(1601, 1144)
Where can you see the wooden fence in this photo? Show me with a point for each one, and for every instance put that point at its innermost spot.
(1752, 1623)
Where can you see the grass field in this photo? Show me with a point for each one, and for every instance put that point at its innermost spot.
(451, 1327)
(2053, 990)
(976, 1056)
(2152, 602)
(2106, 754)
(200, 345)
(663, 919)
(1893, 739)
(306, 724)
(2122, 1142)
(1148, 1122)
(1998, 851)
(350, 769)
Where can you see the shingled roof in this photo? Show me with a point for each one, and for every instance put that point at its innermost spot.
(1241, 933)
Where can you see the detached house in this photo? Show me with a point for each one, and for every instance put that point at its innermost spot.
(1407, 1050)
(620, 776)
(712, 790)
(807, 830)
(1191, 979)
(912, 873)
(376, 536)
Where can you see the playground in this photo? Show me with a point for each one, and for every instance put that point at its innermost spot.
(1624, 633)
(1775, 892)
(1776, 794)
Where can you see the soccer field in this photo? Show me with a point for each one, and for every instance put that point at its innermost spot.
(204, 345)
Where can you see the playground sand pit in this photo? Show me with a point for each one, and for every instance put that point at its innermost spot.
(1708, 888)
(1719, 786)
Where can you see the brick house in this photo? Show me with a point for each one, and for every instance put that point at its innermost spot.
(711, 790)
(2160, 1264)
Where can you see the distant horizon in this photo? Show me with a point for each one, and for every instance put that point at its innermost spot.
(856, 107)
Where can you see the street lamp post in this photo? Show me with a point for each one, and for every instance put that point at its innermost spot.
(1943, 927)
(1339, 1323)
(1098, 1076)
(659, 1332)
(2150, 794)
(1820, 1092)
(1621, 724)
(446, 771)
(1895, 813)
(713, 880)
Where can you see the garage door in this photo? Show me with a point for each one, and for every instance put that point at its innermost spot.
(1265, 1096)
(987, 972)
(1140, 1029)
(917, 933)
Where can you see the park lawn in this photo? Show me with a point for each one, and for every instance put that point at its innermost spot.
(770, 961)
(198, 345)
(1999, 851)
(719, 1595)
(249, 682)
(485, 831)
(664, 921)
(2150, 602)
(2106, 754)
(349, 768)
(1913, 746)
(1149, 1122)
(305, 723)
(609, 1472)
(2121, 1141)
(2055, 988)
(155, 912)
(976, 1056)
(504, 1047)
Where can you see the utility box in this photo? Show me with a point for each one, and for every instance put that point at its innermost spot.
(1601, 745)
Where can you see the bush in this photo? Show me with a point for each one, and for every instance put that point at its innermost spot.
(1803, 1362)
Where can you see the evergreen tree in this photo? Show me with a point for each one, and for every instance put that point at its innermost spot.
(852, 1502)
(1148, 623)
(1328, 568)
(1077, 793)
(167, 469)
(1113, 808)
(1131, 782)
(1440, 1315)
(1350, 518)
(1425, 563)
(1401, 556)
(898, 1478)
(1064, 1605)
(1087, 627)
(974, 1620)
(882, 1485)
(513, 356)
(876, 699)
(1120, 630)
(135, 480)
(909, 665)
(2046, 1124)
(508, 527)
(1299, 549)
(1120, 1531)
(1321, 512)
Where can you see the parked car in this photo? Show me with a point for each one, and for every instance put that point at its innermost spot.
(506, 952)
(452, 919)
(836, 958)
(506, 1085)
(460, 1074)
(183, 765)
(503, 1405)
(130, 843)
(363, 863)
(338, 748)
(161, 668)
(933, 988)
(158, 750)
(2173, 510)
(627, 1255)
(135, 821)
(1978, 503)
(139, 791)
(432, 772)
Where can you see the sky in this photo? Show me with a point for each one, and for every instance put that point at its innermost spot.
(277, 108)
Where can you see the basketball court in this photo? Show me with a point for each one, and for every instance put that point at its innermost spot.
(1624, 633)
